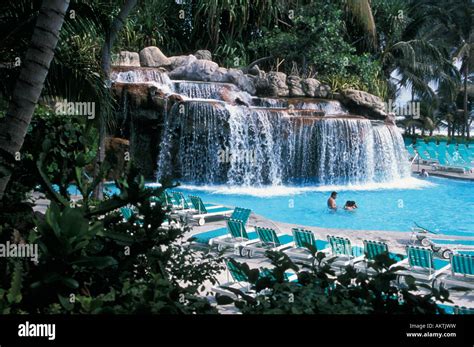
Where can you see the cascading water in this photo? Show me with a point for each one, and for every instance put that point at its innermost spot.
(390, 153)
(215, 91)
(255, 146)
(206, 140)
(151, 76)
(197, 90)
(238, 145)
(328, 107)
(193, 142)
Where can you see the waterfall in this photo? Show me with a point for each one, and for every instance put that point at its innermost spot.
(216, 143)
(390, 153)
(201, 90)
(193, 142)
(255, 146)
(150, 76)
(270, 102)
(345, 151)
(215, 91)
(328, 107)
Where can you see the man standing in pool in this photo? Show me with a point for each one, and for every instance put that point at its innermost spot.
(332, 201)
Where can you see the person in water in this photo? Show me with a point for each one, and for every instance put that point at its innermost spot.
(350, 205)
(332, 201)
(424, 173)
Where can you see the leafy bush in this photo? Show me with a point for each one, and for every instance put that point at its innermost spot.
(320, 291)
(90, 259)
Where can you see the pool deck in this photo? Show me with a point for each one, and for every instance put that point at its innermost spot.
(395, 240)
(468, 176)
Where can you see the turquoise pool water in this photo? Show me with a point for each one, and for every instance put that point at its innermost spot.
(438, 204)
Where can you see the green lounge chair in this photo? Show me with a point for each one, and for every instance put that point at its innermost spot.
(182, 206)
(343, 253)
(451, 148)
(180, 200)
(126, 212)
(303, 239)
(446, 165)
(240, 280)
(456, 309)
(407, 141)
(465, 155)
(462, 271)
(201, 211)
(411, 152)
(432, 154)
(372, 249)
(420, 142)
(203, 240)
(269, 240)
(421, 264)
(427, 156)
(241, 214)
(237, 237)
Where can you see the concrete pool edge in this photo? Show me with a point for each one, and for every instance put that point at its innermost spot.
(396, 240)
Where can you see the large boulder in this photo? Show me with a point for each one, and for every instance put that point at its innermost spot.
(153, 57)
(294, 86)
(181, 60)
(264, 87)
(116, 149)
(244, 82)
(277, 80)
(322, 91)
(255, 71)
(310, 86)
(199, 70)
(126, 58)
(365, 104)
(203, 54)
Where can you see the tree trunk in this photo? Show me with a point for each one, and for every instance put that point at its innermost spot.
(110, 37)
(40, 53)
(466, 113)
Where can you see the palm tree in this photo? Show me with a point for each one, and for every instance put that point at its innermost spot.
(361, 12)
(34, 69)
(451, 24)
(111, 34)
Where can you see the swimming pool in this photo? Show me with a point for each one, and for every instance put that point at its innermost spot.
(438, 204)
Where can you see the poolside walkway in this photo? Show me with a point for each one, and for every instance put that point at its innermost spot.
(396, 241)
(416, 168)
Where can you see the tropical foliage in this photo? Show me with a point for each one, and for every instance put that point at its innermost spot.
(319, 290)
(96, 262)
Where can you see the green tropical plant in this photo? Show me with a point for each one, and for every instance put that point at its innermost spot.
(320, 291)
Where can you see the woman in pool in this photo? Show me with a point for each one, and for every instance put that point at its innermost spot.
(350, 205)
